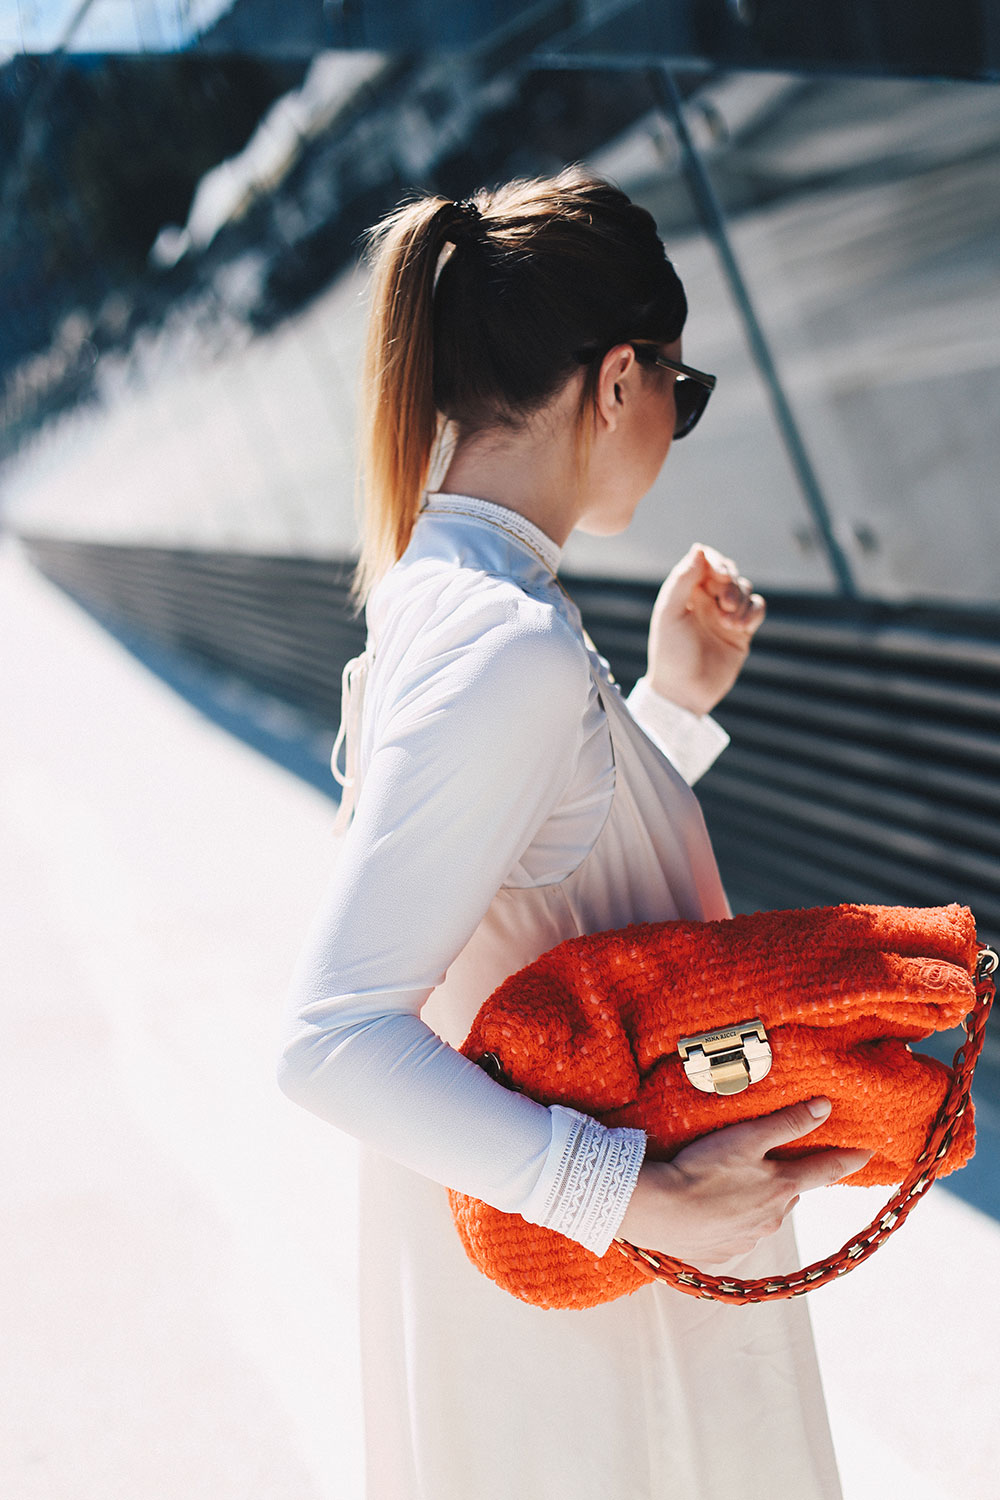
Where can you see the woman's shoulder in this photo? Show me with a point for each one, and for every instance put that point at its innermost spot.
(434, 615)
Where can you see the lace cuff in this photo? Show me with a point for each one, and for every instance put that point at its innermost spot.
(587, 1179)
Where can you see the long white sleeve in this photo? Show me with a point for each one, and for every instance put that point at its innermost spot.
(476, 730)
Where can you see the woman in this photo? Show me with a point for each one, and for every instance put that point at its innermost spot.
(502, 797)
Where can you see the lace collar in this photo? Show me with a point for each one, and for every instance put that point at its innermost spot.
(510, 522)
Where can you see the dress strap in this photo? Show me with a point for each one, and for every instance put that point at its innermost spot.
(352, 696)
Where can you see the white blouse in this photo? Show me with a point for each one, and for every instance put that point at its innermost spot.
(484, 761)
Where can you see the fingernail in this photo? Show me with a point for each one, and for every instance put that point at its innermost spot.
(819, 1108)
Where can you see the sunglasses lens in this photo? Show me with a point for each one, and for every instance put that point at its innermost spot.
(690, 400)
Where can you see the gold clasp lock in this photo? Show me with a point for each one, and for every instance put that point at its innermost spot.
(729, 1060)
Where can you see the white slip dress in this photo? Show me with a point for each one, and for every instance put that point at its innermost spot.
(470, 1394)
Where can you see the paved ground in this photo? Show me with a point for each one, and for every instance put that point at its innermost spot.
(176, 1267)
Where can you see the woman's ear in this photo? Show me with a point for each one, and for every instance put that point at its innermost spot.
(619, 368)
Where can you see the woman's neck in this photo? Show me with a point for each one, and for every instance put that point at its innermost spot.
(533, 469)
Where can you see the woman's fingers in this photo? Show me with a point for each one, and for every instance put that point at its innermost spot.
(737, 598)
(722, 1194)
(756, 610)
(755, 1138)
(716, 575)
(682, 581)
(720, 565)
(739, 607)
(823, 1168)
(701, 629)
(723, 579)
(733, 594)
(760, 1136)
(703, 567)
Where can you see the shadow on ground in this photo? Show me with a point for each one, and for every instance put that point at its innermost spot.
(285, 734)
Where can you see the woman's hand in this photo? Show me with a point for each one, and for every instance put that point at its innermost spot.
(722, 1194)
(703, 621)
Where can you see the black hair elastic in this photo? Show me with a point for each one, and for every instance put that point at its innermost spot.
(466, 223)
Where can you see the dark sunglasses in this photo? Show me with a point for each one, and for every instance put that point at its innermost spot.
(692, 388)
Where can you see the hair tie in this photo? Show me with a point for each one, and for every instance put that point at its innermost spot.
(467, 217)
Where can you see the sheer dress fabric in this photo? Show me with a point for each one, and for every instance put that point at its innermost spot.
(504, 799)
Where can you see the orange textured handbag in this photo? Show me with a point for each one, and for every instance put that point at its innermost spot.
(680, 1028)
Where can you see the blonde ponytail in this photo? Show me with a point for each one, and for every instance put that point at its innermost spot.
(399, 421)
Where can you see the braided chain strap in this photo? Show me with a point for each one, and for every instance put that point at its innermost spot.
(695, 1283)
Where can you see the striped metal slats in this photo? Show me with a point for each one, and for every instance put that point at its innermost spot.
(865, 762)
(865, 755)
(283, 623)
